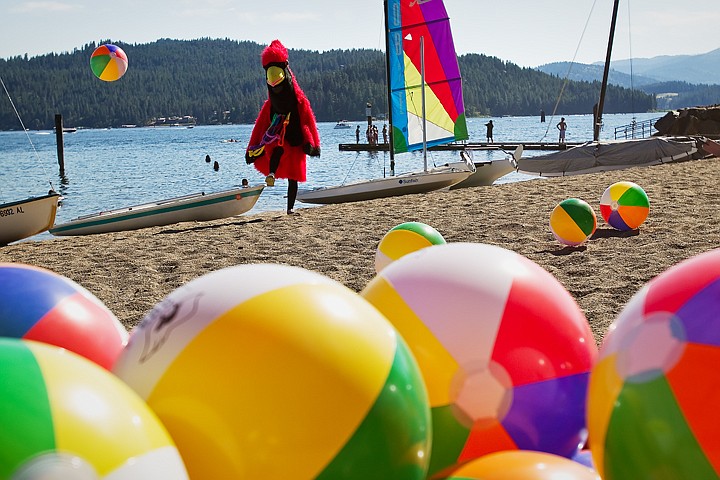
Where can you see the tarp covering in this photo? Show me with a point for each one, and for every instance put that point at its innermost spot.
(602, 156)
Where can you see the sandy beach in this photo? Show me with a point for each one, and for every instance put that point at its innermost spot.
(131, 271)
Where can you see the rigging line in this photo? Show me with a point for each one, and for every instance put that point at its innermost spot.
(632, 85)
(567, 75)
(37, 156)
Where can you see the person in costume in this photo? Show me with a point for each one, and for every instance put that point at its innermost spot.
(285, 131)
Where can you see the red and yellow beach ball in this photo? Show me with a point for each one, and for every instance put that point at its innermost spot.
(64, 417)
(654, 393)
(573, 221)
(403, 239)
(108, 62)
(38, 304)
(275, 372)
(504, 349)
(624, 205)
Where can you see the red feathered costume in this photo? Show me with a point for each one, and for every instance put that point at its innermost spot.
(285, 130)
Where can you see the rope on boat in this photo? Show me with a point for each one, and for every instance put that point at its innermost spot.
(37, 156)
(567, 75)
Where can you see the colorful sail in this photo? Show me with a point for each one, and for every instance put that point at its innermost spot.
(408, 21)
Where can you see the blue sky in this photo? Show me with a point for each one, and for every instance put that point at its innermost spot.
(526, 32)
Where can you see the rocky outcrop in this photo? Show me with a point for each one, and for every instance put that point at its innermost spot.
(691, 121)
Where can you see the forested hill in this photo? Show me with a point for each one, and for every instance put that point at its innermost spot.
(222, 81)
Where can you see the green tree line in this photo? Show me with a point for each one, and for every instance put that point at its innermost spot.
(222, 81)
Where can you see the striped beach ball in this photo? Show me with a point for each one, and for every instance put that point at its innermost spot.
(403, 239)
(654, 393)
(624, 205)
(504, 349)
(64, 417)
(38, 304)
(573, 221)
(108, 62)
(276, 372)
(520, 465)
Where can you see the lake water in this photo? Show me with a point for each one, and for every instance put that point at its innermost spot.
(112, 168)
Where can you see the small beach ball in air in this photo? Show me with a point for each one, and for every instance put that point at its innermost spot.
(520, 465)
(504, 349)
(276, 372)
(108, 62)
(403, 239)
(38, 304)
(624, 205)
(573, 221)
(655, 390)
(64, 417)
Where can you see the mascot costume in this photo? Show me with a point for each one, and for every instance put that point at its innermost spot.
(285, 130)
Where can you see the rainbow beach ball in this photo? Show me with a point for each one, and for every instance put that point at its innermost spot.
(403, 239)
(275, 372)
(655, 390)
(38, 304)
(504, 349)
(573, 221)
(64, 417)
(624, 206)
(108, 62)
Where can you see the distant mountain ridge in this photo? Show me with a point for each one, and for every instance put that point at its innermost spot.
(702, 69)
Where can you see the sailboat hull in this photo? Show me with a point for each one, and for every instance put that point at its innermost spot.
(417, 182)
(195, 207)
(486, 173)
(25, 218)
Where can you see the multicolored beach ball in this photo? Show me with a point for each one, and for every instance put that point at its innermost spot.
(654, 393)
(504, 349)
(624, 205)
(520, 465)
(573, 221)
(64, 417)
(109, 62)
(38, 304)
(403, 239)
(275, 372)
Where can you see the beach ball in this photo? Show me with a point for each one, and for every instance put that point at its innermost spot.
(504, 349)
(276, 372)
(108, 62)
(520, 465)
(624, 205)
(64, 417)
(403, 239)
(38, 304)
(654, 393)
(572, 221)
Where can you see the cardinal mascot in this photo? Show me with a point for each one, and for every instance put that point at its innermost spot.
(285, 131)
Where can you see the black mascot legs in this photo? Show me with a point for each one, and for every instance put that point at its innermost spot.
(292, 195)
(275, 159)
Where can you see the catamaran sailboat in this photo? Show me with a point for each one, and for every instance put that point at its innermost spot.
(426, 104)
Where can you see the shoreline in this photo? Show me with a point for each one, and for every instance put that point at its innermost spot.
(132, 271)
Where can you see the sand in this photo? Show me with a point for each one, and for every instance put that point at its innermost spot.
(131, 271)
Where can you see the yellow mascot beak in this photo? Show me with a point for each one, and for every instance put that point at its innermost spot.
(275, 75)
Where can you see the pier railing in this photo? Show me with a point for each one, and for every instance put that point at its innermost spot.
(636, 129)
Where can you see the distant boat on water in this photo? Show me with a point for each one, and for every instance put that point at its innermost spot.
(343, 124)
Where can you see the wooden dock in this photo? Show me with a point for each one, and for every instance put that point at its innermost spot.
(508, 146)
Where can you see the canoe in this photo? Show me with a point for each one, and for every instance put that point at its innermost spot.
(196, 207)
(25, 218)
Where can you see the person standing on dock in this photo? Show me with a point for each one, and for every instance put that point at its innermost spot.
(542, 115)
(489, 133)
(562, 126)
(357, 134)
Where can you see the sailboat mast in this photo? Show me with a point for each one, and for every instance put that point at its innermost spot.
(422, 99)
(603, 88)
(387, 82)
